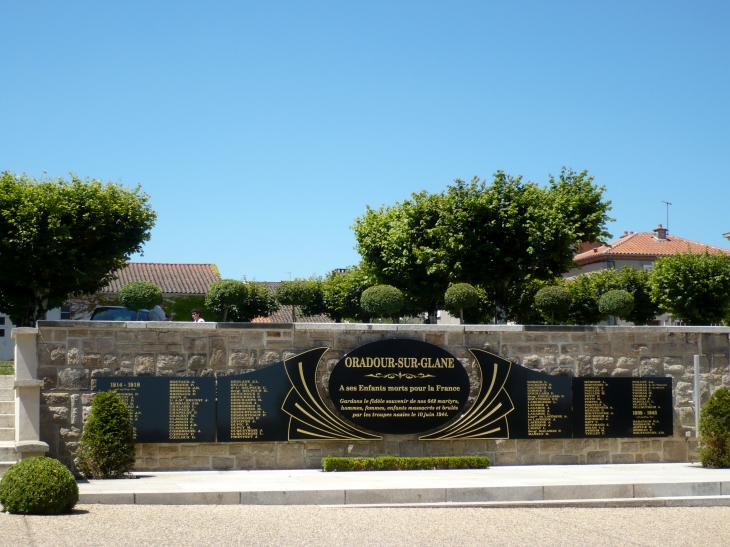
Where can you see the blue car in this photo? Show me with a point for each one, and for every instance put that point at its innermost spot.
(118, 313)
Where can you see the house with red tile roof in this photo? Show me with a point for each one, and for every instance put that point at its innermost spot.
(175, 280)
(636, 249)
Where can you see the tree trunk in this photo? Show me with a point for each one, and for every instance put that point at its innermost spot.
(293, 314)
(461, 316)
(225, 314)
(40, 302)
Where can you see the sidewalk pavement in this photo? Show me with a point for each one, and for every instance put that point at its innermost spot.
(661, 484)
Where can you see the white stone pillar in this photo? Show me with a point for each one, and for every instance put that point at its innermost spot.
(27, 394)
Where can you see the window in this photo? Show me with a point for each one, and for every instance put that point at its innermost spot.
(65, 312)
(2, 333)
(2, 320)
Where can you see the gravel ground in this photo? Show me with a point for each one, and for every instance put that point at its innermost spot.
(283, 526)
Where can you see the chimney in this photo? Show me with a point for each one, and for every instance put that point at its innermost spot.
(625, 233)
(660, 234)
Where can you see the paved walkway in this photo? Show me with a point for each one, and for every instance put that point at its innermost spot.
(566, 485)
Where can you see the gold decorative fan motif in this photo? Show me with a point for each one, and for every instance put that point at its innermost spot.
(487, 418)
(310, 419)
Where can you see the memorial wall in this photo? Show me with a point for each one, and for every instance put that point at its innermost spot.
(283, 396)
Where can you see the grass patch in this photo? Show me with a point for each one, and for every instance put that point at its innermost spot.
(7, 368)
(393, 463)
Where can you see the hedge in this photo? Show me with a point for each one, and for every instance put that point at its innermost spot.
(393, 463)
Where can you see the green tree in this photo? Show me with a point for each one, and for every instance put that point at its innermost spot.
(693, 287)
(338, 295)
(585, 291)
(491, 236)
(554, 302)
(298, 292)
(140, 295)
(636, 283)
(382, 301)
(460, 296)
(227, 297)
(107, 444)
(618, 303)
(260, 302)
(715, 430)
(64, 237)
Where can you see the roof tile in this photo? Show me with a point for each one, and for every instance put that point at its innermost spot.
(171, 278)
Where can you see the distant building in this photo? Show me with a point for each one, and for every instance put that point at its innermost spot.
(636, 249)
(284, 315)
(175, 280)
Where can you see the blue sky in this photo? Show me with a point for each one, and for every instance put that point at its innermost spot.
(262, 130)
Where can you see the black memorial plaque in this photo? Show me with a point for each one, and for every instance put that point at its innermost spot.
(249, 405)
(167, 409)
(399, 386)
(542, 405)
(622, 407)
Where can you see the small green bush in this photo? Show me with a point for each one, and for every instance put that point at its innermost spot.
(617, 303)
(459, 297)
(140, 295)
(553, 302)
(715, 430)
(38, 486)
(226, 297)
(381, 301)
(393, 463)
(107, 445)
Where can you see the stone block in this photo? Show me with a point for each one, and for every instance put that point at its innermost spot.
(110, 361)
(147, 336)
(52, 355)
(564, 459)
(125, 336)
(169, 449)
(213, 449)
(675, 451)
(170, 337)
(88, 345)
(224, 463)
(144, 365)
(197, 361)
(54, 415)
(623, 458)
(629, 446)
(237, 359)
(531, 361)
(55, 399)
(603, 366)
(201, 462)
(195, 344)
(91, 359)
(584, 365)
(290, 455)
(74, 379)
(597, 349)
(546, 349)
(268, 357)
(410, 448)
(60, 335)
(170, 360)
(188, 449)
(218, 358)
(598, 457)
(437, 448)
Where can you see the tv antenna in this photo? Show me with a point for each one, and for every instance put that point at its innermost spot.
(668, 204)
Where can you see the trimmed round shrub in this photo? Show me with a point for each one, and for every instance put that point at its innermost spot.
(107, 445)
(38, 486)
(226, 297)
(617, 303)
(381, 301)
(715, 430)
(140, 295)
(298, 292)
(553, 301)
(460, 296)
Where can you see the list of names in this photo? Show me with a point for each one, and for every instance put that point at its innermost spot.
(644, 407)
(184, 402)
(597, 412)
(541, 398)
(246, 409)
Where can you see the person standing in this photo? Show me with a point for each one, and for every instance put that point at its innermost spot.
(158, 314)
(196, 316)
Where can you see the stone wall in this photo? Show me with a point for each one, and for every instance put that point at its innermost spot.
(71, 354)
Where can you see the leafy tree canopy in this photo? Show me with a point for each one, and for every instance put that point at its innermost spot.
(554, 302)
(491, 236)
(618, 303)
(382, 301)
(64, 237)
(693, 287)
(140, 295)
(338, 295)
(227, 297)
